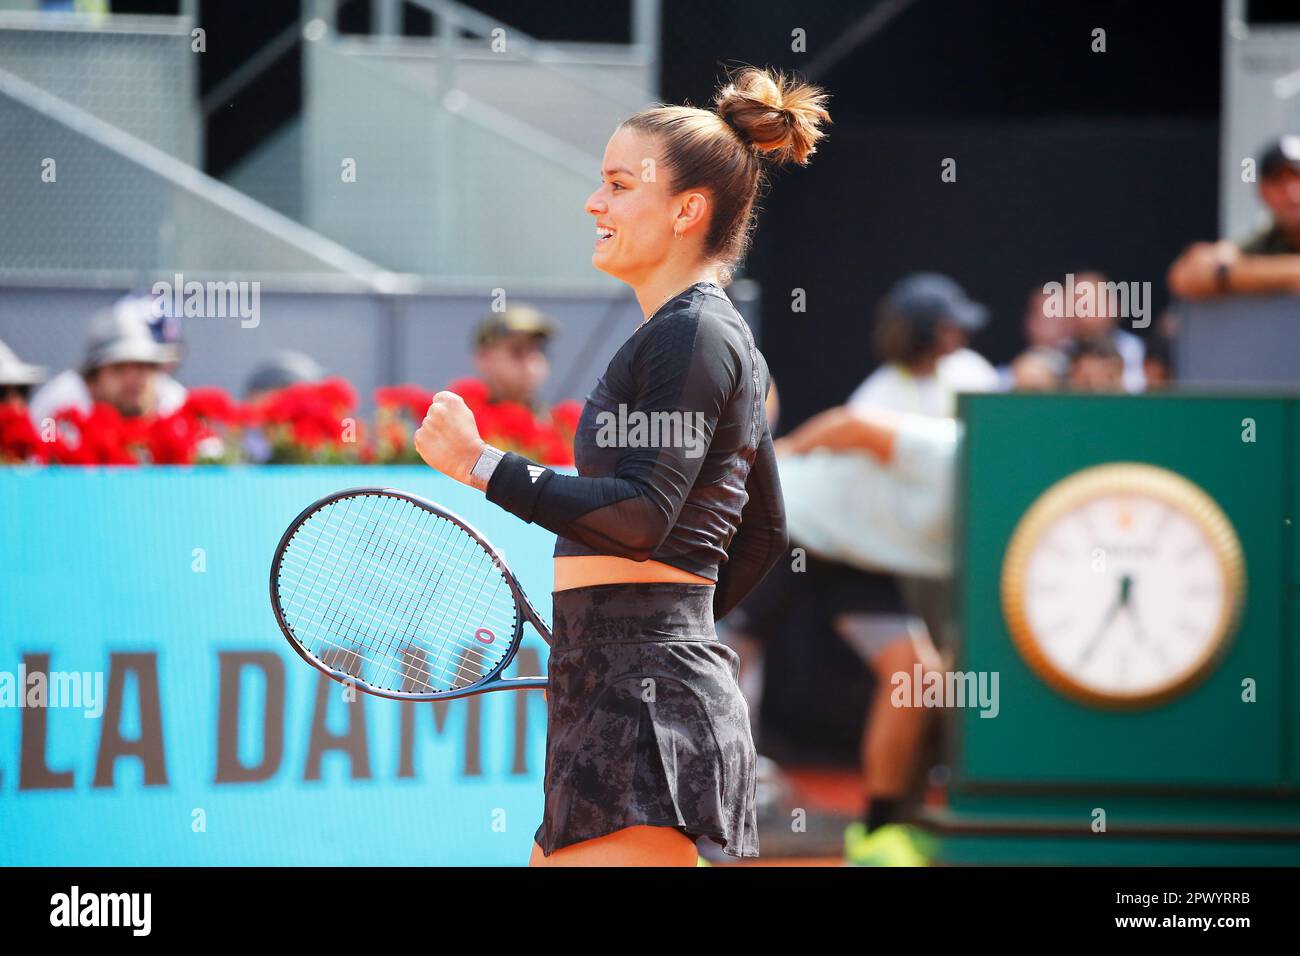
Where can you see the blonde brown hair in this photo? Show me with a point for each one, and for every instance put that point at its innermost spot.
(758, 117)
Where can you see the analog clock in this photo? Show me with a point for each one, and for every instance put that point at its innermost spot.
(1122, 584)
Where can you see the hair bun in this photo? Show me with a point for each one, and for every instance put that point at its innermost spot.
(778, 115)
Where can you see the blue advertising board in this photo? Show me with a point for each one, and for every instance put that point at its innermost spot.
(177, 727)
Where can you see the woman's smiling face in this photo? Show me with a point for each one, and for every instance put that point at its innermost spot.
(633, 209)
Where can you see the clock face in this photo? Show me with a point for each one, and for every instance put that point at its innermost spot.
(1122, 583)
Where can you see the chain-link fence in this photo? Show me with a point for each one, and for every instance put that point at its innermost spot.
(137, 73)
(84, 199)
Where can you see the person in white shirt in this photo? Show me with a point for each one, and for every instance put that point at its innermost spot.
(123, 366)
(873, 488)
(869, 495)
(920, 338)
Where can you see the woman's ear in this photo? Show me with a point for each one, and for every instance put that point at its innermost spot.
(692, 211)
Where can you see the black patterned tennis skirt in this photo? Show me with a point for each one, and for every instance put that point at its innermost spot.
(646, 724)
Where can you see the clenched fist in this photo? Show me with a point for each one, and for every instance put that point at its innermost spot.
(448, 439)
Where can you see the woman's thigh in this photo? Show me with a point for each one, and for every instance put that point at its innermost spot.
(631, 846)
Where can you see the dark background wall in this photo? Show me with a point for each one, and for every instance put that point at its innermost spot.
(1066, 159)
(1032, 200)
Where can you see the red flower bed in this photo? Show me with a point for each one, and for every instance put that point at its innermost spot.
(19, 441)
(308, 423)
(507, 425)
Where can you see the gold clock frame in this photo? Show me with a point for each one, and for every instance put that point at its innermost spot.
(1126, 478)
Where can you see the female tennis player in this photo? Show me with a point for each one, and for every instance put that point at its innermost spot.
(676, 511)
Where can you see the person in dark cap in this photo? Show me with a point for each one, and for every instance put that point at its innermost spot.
(922, 326)
(1267, 261)
(120, 367)
(17, 378)
(510, 354)
(280, 370)
(885, 613)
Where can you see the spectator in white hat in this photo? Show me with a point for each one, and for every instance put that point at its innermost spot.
(166, 329)
(17, 378)
(122, 367)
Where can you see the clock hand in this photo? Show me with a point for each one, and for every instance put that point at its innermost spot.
(1101, 629)
(1140, 634)
(1121, 600)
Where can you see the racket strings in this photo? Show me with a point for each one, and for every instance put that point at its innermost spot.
(344, 602)
(456, 608)
(372, 594)
(379, 588)
(343, 592)
(375, 561)
(392, 610)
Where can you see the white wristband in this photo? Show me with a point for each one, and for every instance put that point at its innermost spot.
(483, 468)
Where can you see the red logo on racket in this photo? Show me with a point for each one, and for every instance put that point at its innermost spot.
(479, 636)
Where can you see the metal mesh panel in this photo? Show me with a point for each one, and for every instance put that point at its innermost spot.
(491, 186)
(137, 73)
(437, 191)
(272, 174)
(115, 209)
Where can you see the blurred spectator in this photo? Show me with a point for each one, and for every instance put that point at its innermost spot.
(1038, 369)
(870, 495)
(1104, 324)
(17, 378)
(166, 330)
(280, 370)
(920, 338)
(889, 508)
(122, 367)
(510, 355)
(1096, 366)
(1267, 261)
(1158, 363)
(862, 519)
(1043, 331)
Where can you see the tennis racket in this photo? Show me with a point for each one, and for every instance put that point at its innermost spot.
(389, 593)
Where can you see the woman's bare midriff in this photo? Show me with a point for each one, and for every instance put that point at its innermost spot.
(580, 571)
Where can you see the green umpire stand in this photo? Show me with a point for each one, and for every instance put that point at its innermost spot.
(1127, 603)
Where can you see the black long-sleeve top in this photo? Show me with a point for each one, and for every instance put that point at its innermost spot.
(673, 453)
